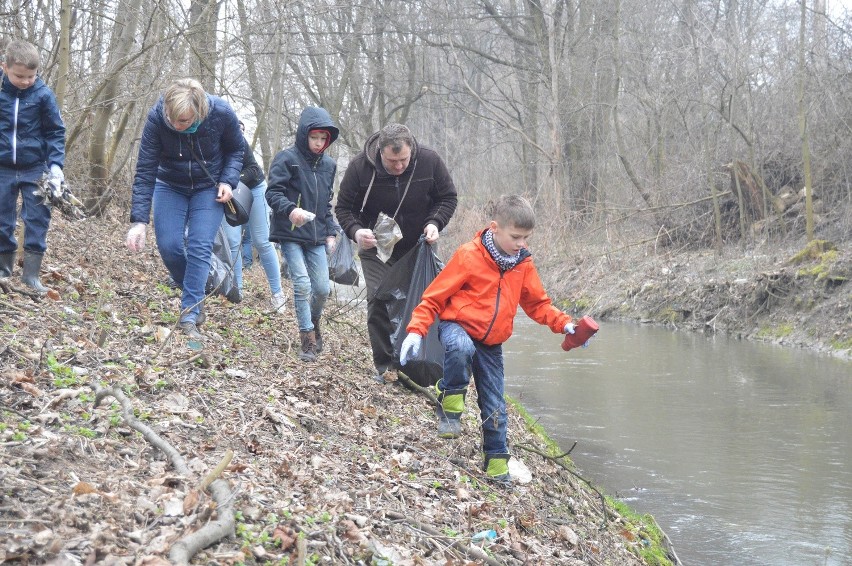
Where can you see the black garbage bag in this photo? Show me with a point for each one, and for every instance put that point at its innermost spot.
(341, 265)
(221, 276)
(402, 289)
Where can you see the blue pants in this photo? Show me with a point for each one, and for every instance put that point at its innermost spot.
(309, 272)
(258, 227)
(197, 215)
(463, 354)
(36, 215)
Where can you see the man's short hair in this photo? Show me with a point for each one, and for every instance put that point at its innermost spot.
(183, 95)
(20, 52)
(513, 210)
(394, 136)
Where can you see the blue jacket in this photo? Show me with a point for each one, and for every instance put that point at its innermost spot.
(172, 157)
(31, 129)
(299, 178)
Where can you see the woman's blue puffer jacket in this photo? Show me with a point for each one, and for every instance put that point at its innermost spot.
(173, 157)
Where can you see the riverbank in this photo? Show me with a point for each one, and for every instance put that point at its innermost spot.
(327, 466)
(796, 296)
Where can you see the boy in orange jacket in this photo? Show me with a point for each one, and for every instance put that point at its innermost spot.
(475, 297)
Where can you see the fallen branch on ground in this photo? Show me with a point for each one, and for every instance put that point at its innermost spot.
(187, 547)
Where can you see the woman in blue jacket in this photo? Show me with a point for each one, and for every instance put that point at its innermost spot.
(301, 181)
(190, 158)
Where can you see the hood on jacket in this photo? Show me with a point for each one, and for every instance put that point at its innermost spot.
(371, 150)
(314, 118)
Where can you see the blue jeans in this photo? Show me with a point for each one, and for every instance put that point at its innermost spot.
(309, 272)
(463, 354)
(36, 215)
(247, 247)
(196, 215)
(258, 227)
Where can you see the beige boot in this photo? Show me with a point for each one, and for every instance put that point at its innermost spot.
(309, 346)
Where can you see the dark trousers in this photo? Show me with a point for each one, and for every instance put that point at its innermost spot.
(34, 212)
(379, 326)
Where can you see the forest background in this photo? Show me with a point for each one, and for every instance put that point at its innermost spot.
(637, 129)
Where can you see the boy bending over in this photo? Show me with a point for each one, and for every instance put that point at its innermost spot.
(476, 297)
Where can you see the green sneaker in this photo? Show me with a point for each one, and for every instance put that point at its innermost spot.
(497, 468)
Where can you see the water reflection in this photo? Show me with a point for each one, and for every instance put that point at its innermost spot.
(741, 451)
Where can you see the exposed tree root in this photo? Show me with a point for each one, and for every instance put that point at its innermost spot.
(184, 549)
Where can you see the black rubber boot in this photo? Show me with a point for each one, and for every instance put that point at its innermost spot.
(32, 268)
(7, 260)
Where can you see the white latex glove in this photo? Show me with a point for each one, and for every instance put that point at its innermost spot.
(56, 173)
(299, 217)
(365, 238)
(569, 328)
(330, 244)
(432, 233)
(410, 347)
(136, 237)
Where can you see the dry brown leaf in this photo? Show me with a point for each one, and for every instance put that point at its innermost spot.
(285, 535)
(190, 502)
(352, 532)
(82, 488)
(53, 294)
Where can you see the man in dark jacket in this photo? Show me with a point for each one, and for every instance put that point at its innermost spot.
(411, 184)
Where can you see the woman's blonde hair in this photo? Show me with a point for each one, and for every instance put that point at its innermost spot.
(184, 95)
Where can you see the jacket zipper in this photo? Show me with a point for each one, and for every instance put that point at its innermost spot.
(316, 191)
(15, 133)
(496, 307)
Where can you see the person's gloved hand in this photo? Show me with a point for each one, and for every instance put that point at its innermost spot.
(136, 237)
(432, 233)
(330, 244)
(299, 217)
(56, 173)
(569, 328)
(410, 347)
(365, 238)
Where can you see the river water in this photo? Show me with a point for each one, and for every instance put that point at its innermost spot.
(742, 451)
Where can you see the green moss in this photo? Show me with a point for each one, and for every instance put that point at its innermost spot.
(842, 344)
(773, 332)
(814, 250)
(642, 529)
(670, 315)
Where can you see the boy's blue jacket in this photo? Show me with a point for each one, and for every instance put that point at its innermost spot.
(31, 130)
(299, 178)
(167, 155)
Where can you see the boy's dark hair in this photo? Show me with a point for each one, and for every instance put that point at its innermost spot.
(20, 52)
(393, 136)
(513, 210)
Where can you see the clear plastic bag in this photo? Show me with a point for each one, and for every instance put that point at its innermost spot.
(387, 234)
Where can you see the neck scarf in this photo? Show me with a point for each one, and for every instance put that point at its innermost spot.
(504, 262)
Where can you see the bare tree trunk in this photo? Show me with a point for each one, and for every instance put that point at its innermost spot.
(803, 127)
(64, 51)
(100, 160)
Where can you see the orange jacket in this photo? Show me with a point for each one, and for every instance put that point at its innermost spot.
(471, 291)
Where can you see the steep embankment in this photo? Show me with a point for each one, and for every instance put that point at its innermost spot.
(327, 467)
(793, 296)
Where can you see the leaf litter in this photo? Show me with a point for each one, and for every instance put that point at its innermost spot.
(328, 467)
